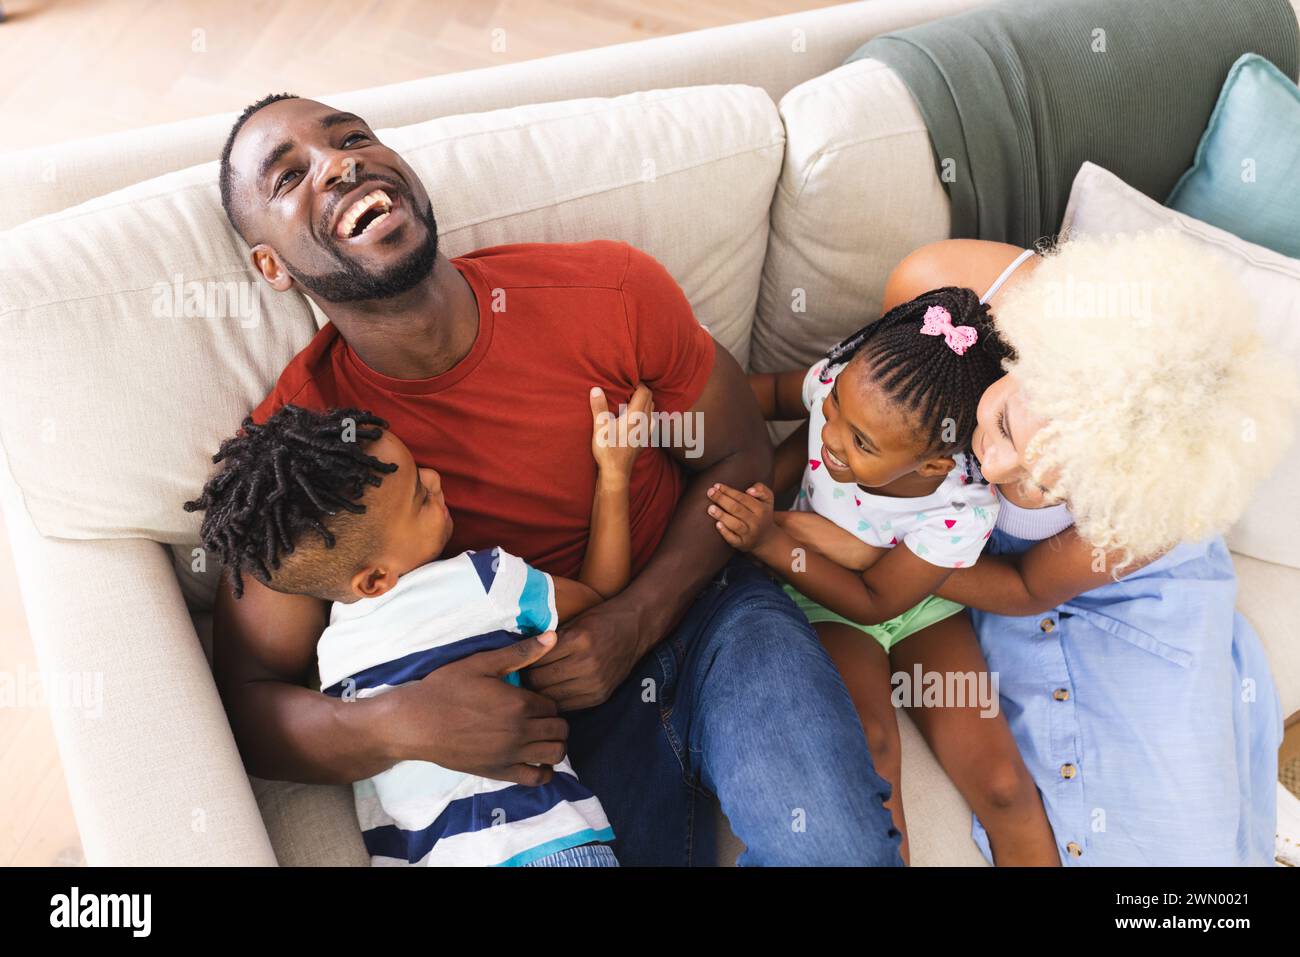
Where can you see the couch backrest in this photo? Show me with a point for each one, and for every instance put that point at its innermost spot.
(134, 336)
(858, 192)
(774, 54)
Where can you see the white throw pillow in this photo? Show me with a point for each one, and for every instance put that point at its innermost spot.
(1100, 202)
(114, 400)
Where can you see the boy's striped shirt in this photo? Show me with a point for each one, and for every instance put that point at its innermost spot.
(417, 812)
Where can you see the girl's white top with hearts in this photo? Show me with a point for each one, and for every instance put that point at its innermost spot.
(948, 527)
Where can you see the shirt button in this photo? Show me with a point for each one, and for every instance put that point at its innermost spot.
(1061, 694)
(1047, 625)
(1074, 849)
(1067, 771)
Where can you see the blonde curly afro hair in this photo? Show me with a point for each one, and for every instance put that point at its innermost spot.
(1164, 405)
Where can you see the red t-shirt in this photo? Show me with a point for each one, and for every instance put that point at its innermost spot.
(509, 426)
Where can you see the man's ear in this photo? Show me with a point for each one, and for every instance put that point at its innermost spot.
(372, 581)
(266, 262)
(936, 466)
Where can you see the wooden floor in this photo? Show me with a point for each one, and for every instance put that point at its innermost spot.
(74, 68)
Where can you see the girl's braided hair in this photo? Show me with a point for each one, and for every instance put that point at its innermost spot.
(923, 373)
(280, 481)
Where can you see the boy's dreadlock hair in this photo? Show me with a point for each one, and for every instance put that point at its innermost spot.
(280, 481)
(923, 372)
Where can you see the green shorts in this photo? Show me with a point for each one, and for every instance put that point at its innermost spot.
(920, 616)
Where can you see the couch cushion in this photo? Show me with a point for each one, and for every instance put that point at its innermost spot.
(1100, 202)
(938, 818)
(116, 402)
(1269, 596)
(858, 192)
(311, 825)
(1244, 176)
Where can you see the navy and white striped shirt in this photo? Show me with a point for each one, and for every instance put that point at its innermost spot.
(417, 812)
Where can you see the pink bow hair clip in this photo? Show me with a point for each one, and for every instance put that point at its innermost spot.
(938, 322)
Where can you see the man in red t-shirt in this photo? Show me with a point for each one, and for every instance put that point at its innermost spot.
(689, 679)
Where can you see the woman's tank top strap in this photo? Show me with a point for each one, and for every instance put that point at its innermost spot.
(1006, 274)
(1032, 524)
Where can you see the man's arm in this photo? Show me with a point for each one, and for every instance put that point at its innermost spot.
(598, 650)
(462, 716)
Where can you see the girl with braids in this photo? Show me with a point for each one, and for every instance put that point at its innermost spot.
(333, 505)
(887, 460)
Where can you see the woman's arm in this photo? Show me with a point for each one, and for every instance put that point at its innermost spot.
(780, 394)
(974, 263)
(890, 587)
(1047, 574)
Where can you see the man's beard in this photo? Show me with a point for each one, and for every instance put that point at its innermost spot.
(351, 283)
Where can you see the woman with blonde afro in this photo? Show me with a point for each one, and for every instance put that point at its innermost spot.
(1140, 411)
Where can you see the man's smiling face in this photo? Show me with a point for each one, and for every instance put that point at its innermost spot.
(324, 203)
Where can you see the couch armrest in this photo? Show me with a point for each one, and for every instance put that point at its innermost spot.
(152, 768)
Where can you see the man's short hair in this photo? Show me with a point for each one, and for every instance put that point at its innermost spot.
(224, 178)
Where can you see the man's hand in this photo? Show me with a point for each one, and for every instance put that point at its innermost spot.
(464, 717)
(743, 519)
(593, 655)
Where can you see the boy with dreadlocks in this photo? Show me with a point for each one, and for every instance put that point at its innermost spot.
(333, 505)
(887, 461)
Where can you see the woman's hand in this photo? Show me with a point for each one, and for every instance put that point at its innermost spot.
(744, 519)
(615, 442)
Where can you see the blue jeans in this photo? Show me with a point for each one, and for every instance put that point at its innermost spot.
(740, 701)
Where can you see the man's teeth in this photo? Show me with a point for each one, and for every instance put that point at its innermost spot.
(375, 199)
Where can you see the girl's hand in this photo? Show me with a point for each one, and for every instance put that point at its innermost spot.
(615, 442)
(744, 519)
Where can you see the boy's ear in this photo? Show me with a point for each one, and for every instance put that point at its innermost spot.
(372, 581)
(936, 466)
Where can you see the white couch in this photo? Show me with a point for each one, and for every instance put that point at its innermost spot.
(744, 158)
